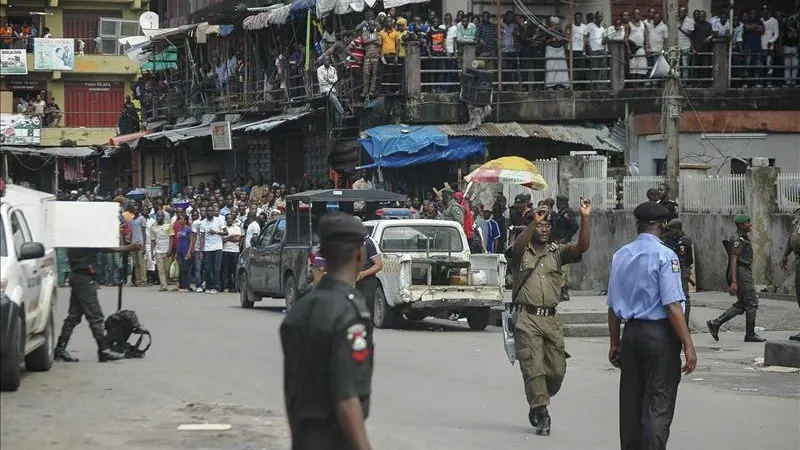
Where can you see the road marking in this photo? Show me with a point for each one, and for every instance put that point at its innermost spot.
(204, 427)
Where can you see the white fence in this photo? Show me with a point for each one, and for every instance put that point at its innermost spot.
(634, 190)
(718, 194)
(549, 170)
(602, 192)
(596, 166)
(788, 192)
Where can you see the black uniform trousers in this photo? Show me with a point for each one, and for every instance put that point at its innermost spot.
(83, 302)
(368, 287)
(648, 388)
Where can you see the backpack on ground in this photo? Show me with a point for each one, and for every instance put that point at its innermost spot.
(119, 328)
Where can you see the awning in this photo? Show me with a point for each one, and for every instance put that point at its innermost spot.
(347, 195)
(267, 125)
(66, 152)
(598, 138)
(400, 146)
(168, 59)
(131, 139)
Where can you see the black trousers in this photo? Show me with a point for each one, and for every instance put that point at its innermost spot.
(648, 387)
(83, 302)
(229, 262)
(368, 286)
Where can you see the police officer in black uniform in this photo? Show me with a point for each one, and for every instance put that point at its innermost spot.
(328, 347)
(666, 202)
(83, 302)
(676, 239)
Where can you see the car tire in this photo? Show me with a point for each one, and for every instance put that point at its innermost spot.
(384, 316)
(41, 359)
(289, 291)
(9, 365)
(245, 298)
(479, 319)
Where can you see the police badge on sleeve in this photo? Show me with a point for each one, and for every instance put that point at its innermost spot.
(359, 346)
(676, 266)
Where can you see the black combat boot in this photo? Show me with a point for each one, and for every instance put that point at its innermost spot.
(104, 352)
(713, 325)
(532, 418)
(796, 337)
(61, 353)
(750, 328)
(542, 421)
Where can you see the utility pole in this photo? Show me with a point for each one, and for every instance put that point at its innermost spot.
(672, 102)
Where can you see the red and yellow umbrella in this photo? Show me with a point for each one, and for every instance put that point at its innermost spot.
(509, 170)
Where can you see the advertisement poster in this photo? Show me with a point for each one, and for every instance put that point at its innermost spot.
(13, 62)
(221, 136)
(20, 129)
(54, 54)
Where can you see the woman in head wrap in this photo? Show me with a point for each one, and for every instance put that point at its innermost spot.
(556, 74)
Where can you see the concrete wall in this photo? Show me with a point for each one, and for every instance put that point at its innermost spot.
(614, 229)
(783, 147)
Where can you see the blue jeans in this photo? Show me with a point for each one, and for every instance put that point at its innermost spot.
(111, 267)
(198, 266)
(213, 261)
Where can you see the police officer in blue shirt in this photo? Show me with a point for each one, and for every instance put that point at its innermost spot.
(645, 292)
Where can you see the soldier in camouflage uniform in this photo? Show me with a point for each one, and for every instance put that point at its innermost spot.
(740, 276)
(793, 246)
(453, 210)
(677, 240)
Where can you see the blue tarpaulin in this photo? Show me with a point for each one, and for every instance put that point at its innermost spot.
(303, 5)
(400, 146)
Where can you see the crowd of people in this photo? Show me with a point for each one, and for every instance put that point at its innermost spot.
(21, 35)
(48, 111)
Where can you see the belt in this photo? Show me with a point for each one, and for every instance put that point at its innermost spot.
(535, 310)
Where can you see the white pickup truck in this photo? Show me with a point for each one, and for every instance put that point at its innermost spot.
(28, 284)
(428, 270)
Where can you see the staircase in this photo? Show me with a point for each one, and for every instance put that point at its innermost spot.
(344, 150)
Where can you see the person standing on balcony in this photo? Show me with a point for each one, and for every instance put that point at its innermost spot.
(637, 43)
(685, 29)
(355, 64)
(595, 37)
(769, 42)
(577, 45)
(372, 54)
(658, 34)
(510, 48)
(701, 49)
(751, 38)
(451, 31)
(740, 277)
(556, 71)
(390, 41)
(327, 78)
(487, 37)
(789, 35)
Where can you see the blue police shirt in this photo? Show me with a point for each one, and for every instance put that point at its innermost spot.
(645, 278)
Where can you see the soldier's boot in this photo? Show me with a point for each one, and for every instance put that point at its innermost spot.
(532, 417)
(564, 294)
(61, 354)
(750, 328)
(104, 352)
(796, 337)
(713, 325)
(542, 421)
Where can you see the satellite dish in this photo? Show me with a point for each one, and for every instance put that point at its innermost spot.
(660, 68)
(148, 21)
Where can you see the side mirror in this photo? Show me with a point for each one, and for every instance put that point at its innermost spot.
(31, 250)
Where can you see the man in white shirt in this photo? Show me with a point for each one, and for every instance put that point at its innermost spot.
(213, 229)
(161, 236)
(231, 245)
(577, 46)
(197, 256)
(721, 27)
(657, 39)
(327, 78)
(595, 43)
(253, 229)
(685, 29)
(768, 41)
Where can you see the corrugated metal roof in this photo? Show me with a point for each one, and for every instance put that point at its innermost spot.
(503, 129)
(66, 152)
(266, 125)
(598, 138)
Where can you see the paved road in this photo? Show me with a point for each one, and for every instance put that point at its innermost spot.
(437, 386)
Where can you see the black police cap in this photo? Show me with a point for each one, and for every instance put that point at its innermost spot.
(651, 212)
(339, 225)
(520, 198)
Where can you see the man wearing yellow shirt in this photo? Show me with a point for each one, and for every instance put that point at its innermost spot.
(390, 41)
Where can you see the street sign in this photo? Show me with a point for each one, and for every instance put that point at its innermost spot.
(221, 136)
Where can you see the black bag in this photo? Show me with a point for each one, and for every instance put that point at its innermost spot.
(119, 328)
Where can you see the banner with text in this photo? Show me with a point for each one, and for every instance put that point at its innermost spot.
(20, 129)
(54, 54)
(13, 62)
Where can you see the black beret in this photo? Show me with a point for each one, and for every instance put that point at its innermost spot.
(339, 225)
(520, 198)
(562, 197)
(651, 212)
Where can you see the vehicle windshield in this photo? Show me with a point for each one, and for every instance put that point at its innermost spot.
(3, 248)
(421, 238)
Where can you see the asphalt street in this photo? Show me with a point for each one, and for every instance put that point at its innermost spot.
(436, 386)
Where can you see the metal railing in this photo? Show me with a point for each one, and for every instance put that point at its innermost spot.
(440, 74)
(762, 69)
(602, 192)
(634, 190)
(788, 185)
(714, 194)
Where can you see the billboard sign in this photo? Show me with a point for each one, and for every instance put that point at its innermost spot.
(20, 129)
(54, 54)
(221, 136)
(13, 62)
